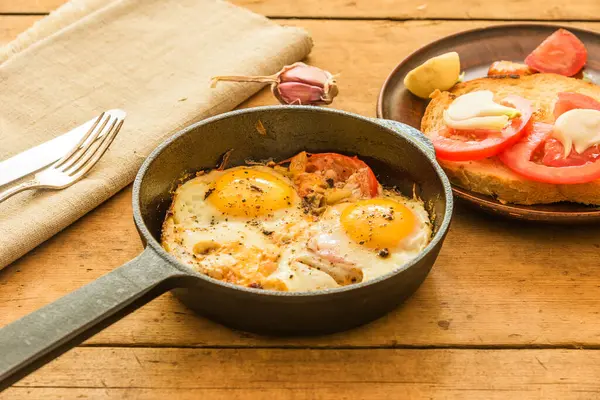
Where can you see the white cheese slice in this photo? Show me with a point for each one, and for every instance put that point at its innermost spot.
(477, 110)
(579, 129)
(493, 123)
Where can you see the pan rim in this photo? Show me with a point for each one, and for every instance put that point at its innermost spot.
(172, 261)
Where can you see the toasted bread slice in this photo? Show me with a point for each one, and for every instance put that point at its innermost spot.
(491, 176)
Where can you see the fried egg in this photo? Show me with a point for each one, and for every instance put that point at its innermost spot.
(242, 194)
(249, 226)
(231, 224)
(373, 235)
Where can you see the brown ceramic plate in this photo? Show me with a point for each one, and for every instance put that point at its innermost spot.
(478, 48)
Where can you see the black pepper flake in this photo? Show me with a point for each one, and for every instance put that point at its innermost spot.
(353, 280)
(291, 276)
(383, 253)
(255, 285)
(330, 182)
(243, 200)
(267, 233)
(208, 193)
(361, 242)
(256, 189)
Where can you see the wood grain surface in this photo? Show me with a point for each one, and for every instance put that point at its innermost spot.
(509, 310)
(474, 296)
(11, 26)
(551, 10)
(131, 373)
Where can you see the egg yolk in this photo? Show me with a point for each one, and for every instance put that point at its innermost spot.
(378, 223)
(247, 192)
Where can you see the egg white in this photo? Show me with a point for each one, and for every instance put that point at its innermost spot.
(297, 276)
(329, 234)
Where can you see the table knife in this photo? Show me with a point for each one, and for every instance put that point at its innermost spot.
(40, 156)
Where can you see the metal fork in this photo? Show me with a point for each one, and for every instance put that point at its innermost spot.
(77, 162)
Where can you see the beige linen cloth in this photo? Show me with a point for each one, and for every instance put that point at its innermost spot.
(152, 58)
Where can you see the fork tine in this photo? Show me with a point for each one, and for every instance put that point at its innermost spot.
(81, 142)
(89, 152)
(110, 136)
(80, 152)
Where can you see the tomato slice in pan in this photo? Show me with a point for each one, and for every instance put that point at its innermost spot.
(561, 53)
(340, 166)
(521, 158)
(344, 167)
(476, 144)
(568, 101)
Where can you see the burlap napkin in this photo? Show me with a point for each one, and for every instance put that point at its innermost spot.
(152, 58)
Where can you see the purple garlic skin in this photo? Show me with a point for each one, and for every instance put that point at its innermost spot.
(295, 84)
(303, 84)
(298, 93)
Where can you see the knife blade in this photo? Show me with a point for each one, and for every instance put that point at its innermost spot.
(40, 156)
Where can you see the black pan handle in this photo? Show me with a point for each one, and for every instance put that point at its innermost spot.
(407, 130)
(37, 338)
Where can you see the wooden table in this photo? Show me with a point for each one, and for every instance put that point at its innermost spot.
(510, 310)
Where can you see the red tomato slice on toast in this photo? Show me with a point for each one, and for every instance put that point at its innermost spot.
(568, 101)
(476, 144)
(553, 155)
(561, 53)
(527, 159)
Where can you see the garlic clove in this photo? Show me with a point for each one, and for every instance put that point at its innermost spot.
(298, 93)
(298, 83)
(303, 73)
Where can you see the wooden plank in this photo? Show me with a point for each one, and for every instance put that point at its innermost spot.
(386, 9)
(496, 282)
(428, 9)
(11, 26)
(29, 6)
(145, 373)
